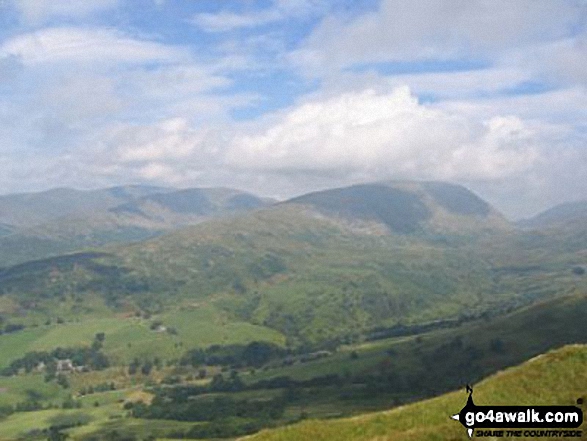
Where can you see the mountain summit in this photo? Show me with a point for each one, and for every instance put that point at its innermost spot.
(407, 207)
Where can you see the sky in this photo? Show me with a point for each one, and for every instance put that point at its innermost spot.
(282, 97)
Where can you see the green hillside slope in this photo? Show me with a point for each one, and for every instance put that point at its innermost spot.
(440, 360)
(409, 207)
(308, 278)
(556, 378)
(355, 379)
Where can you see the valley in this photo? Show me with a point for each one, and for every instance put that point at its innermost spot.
(329, 305)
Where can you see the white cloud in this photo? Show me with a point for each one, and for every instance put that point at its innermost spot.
(78, 99)
(564, 107)
(72, 81)
(421, 29)
(155, 170)
(280, 10)
(79, 45)
(183, 79)
(226, 21)
(475, 84)
(36, 11)
(387, 135)
(562, 61)
(99, 106)
(170, 140)
(94, 106)
(169, 151)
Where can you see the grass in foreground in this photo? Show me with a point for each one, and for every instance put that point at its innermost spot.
(556, 378)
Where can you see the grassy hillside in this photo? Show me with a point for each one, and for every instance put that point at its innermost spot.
(556, 378)
(440, 360)
(191, 201)
(356, 379)
(460, 354)
(308, 278)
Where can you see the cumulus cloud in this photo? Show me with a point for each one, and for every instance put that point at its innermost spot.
(168, 151)
(83, 105)
(104, 106)
(169, 140)
(387, 135)
(71, 74)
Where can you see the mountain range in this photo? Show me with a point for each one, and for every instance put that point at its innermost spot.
(350, 300)
(326, 265)
(38, 225)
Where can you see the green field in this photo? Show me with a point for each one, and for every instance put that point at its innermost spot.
(128, 337)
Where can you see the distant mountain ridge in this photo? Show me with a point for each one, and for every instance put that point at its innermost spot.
(24, 210)
(192, 201)
(38, 225)
(566, 214)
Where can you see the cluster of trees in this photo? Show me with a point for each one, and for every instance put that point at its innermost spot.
(401, 330)
(102, 387)
(255, 354)
(218, 384)
(288, 383)
(578, 270)
(224, 416)
(88, 357)
(33, 403)
(12, 327)
(224, 429)
(60, 423)
(144, 367)
(219, 408)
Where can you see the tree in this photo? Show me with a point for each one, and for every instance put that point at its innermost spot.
(147, 367)
(578, 270)
(55, 434)
(62, 381)
(257, 353)
(133, 367)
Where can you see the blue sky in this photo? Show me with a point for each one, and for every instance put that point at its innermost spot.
(280, 97)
